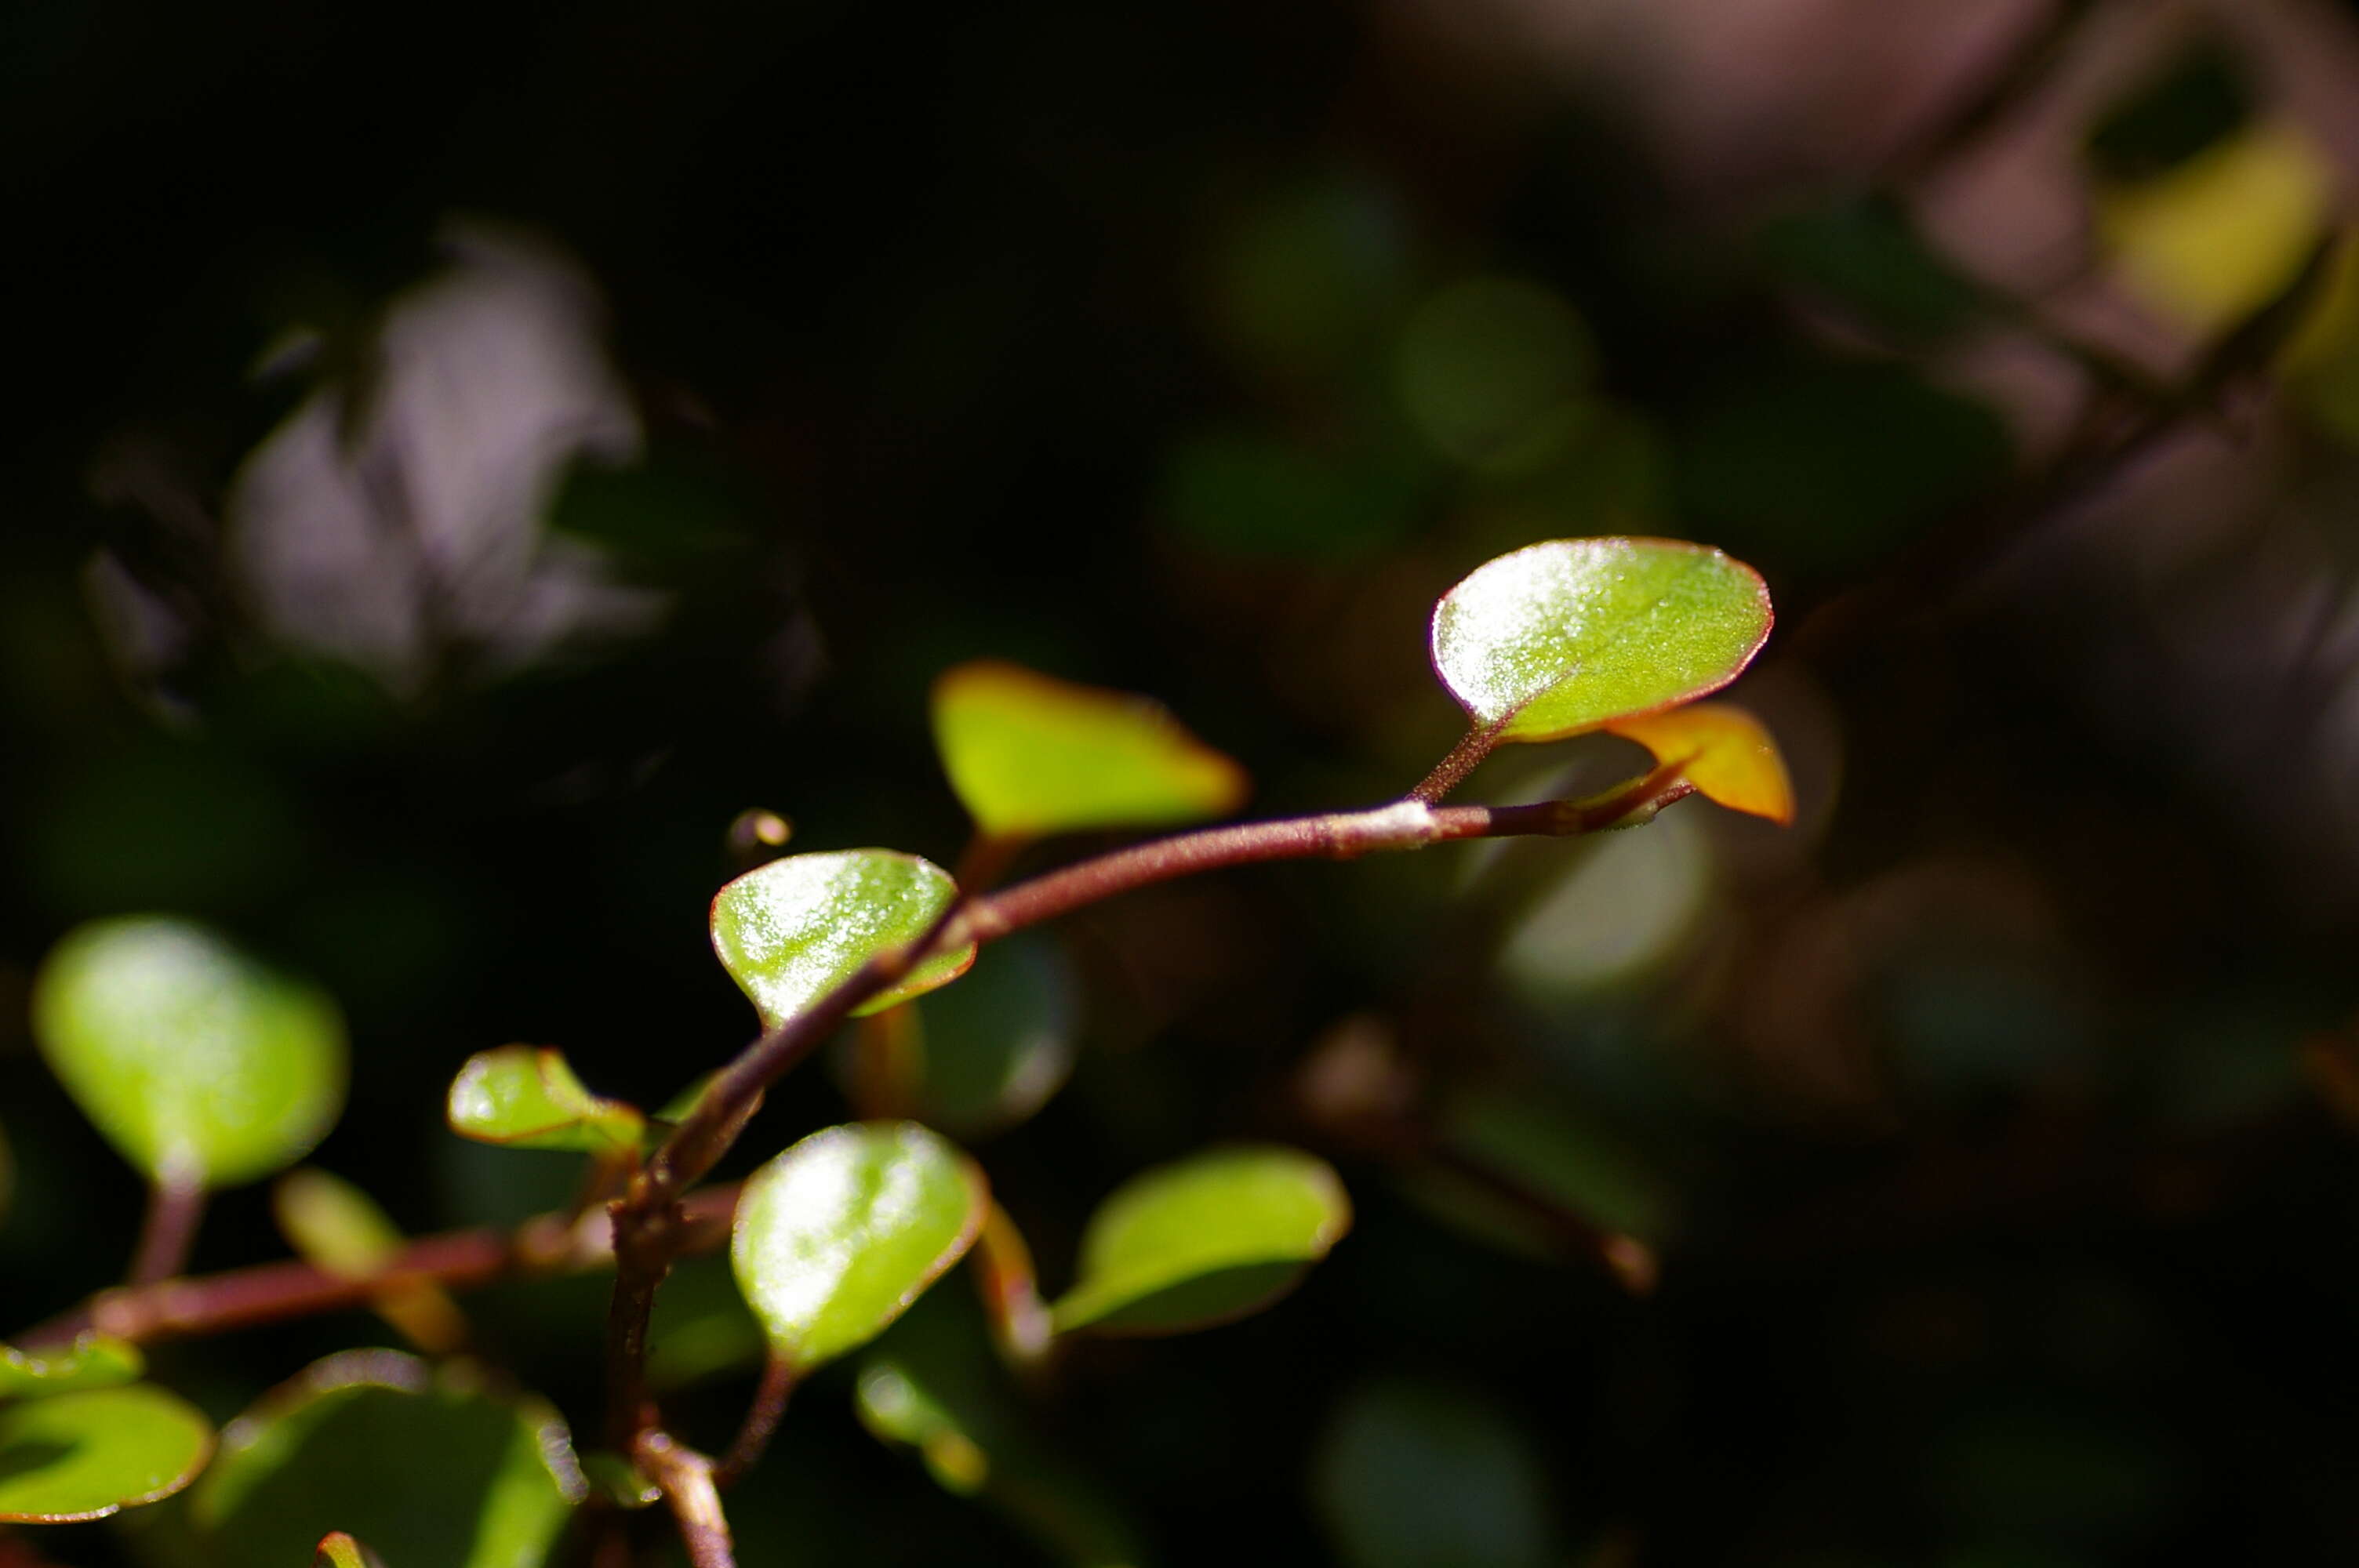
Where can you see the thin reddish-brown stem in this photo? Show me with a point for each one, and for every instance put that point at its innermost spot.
(176, 1207)
(686, 1478)
(761, 1420)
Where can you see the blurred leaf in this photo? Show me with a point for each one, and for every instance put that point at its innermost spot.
(1495, 372)
(701, 1328)
(792, 931)
(1243, 494)
(1554, 1153)
(335, 1226)
(1416, 1475)
(1866, 255)
(94, 1361)
(1030, 755)
(527, 1097)
(837, 1236)
(1565, 637)
(2221, 235)
(2199, 103)
(195, 1062)
(427, 1468)
(996, 1047)
(341, 1551)
(1305, 279)
(1203, 1240)
(1618, 914)
(85, 1456)
(1726, 753)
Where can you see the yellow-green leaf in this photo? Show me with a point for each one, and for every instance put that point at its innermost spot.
(1724, 750)
(85, 1456)
(2217, 237)
(527, 1097)
(836, 1237)
(335, 1226)
(792, 931)
(1030, 755)
(338, 1550)
(1204, 1240)
(93, 1361)
(197, 1062)
(1571, 634)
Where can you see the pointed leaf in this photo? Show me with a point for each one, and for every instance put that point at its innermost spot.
(1568, 635)
(1029, 755)
(426, 1467)
(196, 1062)
(837, 1236)
(527, 1098)
(341, 1551)
(791, 931)
(1726, 753)
(93, 1361)
(1204, 1240)
(86, 1455)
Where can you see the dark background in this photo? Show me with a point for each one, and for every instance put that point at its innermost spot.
(1992, 1125)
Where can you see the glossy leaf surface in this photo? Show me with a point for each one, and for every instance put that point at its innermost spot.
(93, 1361)
(527, 1097)
(424, 1468)
(1567, 635)
(1419, 1476)
(1204, 1240)
(791, 931)
(1726, 753)
(1028, 754)
(197, 1062)
(85, 1456)
(836, 1237)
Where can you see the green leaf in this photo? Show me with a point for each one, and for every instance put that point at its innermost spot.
(85, 1456)
(792, 931)
(1565, 637)
(335, 1226)
(1029, 755)
(428, 1468)
(197, 1062)
(998, 1045)
(527, 1097)
(93, 1361)
(1204, 1240)
(837, 1236)
(338, 1550)
(1418, 1476)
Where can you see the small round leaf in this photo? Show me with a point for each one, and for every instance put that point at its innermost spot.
(1030, 755)
(1568, 635)
(1204, 1240)
(93, 1361)
(528, 1097)
(86, 1455)
(197, 1062)
(427, 1468)
(1724, 751)
(837, 1236)
(791, 931)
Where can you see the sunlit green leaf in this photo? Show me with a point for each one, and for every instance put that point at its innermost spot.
(427, 1468)
(527, 1097)
(1204, 1240)
(791, 931)
(1565, 637)
(837, 1236)
(341, 1551)
(1028, 756)
(93, 1361)
(996, 1046)
(85, 1456)
(197, 1062)
(1417, 1476)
